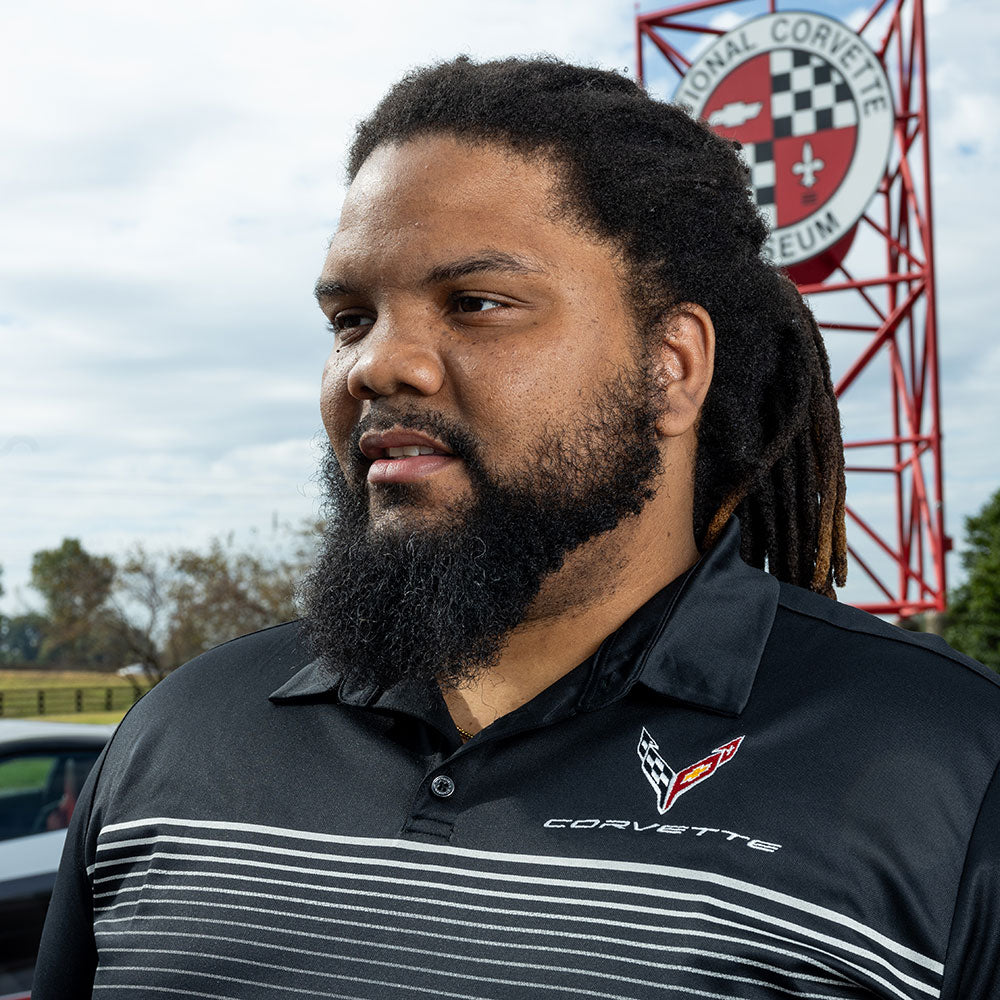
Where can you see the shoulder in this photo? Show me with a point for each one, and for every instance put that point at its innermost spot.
(880, 659)
(200, 724)
(844, 623)
(240, 672)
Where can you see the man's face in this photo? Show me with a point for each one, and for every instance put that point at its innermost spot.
(456, 293)
(473, 325)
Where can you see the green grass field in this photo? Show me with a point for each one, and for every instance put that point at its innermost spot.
(92, 717)
(16, 680)
(65, 691)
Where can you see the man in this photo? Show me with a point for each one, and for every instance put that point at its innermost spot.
(547, 728)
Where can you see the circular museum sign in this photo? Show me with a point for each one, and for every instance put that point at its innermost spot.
(811, 107)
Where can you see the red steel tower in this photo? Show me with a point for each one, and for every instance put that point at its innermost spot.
(873, 294)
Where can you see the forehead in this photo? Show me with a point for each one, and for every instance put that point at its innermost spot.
(441, 196)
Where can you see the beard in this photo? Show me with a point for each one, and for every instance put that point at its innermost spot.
(437, 602)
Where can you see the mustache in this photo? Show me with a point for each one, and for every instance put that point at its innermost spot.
(459, 440)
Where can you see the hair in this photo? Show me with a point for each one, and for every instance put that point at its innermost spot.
(674, 198)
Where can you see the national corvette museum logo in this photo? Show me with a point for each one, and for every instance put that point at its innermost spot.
(668, 784)
(810, 104)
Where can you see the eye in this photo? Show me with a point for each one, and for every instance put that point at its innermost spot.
(347, 322)
(476, 303)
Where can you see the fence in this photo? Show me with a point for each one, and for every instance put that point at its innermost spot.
(66, 700)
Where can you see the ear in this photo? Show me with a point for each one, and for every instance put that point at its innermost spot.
(684, 359)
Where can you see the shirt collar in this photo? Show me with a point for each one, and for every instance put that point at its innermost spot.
(700, 639)
(697, 641)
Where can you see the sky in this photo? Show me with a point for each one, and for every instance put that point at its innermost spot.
(170, 178)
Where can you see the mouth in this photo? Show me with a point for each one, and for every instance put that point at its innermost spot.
(403, 456)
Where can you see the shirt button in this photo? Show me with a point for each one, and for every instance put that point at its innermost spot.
(442, 786)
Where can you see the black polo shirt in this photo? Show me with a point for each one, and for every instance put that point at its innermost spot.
(748, 792)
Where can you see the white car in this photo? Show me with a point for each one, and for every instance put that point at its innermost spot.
(43, 766)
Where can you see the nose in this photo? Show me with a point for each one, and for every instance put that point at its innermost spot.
(396, 355)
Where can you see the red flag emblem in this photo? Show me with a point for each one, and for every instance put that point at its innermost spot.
(668, 784)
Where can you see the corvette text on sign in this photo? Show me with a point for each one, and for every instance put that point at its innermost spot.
(810, 104)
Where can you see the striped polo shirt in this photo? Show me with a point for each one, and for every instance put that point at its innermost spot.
(748, 792)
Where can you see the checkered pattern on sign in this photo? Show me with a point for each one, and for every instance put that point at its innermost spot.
(808, 95)
(759, 158)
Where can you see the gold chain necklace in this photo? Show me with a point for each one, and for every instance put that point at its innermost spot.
(465, 735)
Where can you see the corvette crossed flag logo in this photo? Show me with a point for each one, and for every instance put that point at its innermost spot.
(668, 784)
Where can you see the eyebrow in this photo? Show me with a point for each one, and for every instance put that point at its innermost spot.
(330, 289)
(490, 260)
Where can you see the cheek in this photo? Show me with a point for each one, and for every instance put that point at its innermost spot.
(338, 408)
(511, 396)
(558, 373)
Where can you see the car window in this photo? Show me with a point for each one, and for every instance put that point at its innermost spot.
(38, 791)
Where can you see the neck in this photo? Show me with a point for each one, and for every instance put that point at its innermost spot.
(598, 588)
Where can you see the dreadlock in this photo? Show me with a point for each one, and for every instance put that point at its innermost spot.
(675, 198)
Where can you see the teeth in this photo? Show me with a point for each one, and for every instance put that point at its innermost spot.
(409, 451)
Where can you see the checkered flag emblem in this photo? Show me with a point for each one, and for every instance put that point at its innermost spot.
(809, 105)
(668, 784)
(808, 99)
(658, 772)
(808, 95)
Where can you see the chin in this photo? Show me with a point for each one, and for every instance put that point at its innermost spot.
(408, 507)
(396, 521)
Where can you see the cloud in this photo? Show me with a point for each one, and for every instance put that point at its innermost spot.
(170, 178)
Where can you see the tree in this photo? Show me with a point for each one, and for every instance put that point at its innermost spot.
(157, 609)
(21, 637)
(76, 587)
(179, 604)
(140, 599)
(974, 613)
(73, 583)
